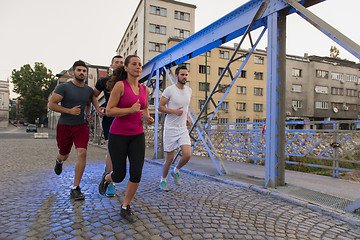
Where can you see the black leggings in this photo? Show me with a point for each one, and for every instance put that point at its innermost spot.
(120, 147)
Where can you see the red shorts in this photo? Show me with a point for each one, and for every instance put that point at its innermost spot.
(66, 135)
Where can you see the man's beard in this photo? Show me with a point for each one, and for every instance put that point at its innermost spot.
(182, 82)
(80, 79)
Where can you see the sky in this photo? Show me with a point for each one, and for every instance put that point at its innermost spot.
(59, 32)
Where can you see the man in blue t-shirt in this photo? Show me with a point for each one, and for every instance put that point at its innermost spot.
(75, 99)
(116, 61)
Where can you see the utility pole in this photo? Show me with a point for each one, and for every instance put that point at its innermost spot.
(206, 87)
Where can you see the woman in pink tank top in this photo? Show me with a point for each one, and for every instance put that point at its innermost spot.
(127, 103)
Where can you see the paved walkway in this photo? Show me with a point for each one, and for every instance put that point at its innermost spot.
(35, 204)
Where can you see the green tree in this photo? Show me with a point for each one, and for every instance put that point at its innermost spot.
(12, 113)
(334, 52)
(32, 86)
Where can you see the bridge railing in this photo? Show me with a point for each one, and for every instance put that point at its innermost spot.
(337, 142)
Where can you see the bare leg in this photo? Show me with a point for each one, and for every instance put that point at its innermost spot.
(186, 154)
(130, 192)
(169, 157)
(62, 158)
(108, 159)
(80, 165)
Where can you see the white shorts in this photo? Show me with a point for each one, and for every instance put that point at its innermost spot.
(174, 138)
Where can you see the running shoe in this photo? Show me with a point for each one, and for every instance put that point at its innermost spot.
(110, 192)
(76, 194)
(128, 214)
(58, 167)
(176, 177)
(103, 185)
(163, 186)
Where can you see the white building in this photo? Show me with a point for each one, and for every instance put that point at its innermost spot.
(4, 103)
(153, 24)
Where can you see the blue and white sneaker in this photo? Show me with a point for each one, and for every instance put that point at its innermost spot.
(110, 192)
(176, 177)
(163, 186)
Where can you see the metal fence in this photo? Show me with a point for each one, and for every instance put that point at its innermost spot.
(333, 142)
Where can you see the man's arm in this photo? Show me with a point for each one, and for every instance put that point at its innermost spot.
(164, 109)
(95, 102)
(54, 105)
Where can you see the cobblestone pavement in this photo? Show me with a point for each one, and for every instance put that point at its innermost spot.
(35, 204)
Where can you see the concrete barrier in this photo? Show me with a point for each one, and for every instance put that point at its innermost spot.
(41, 135)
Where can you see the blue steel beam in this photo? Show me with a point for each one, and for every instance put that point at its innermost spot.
(328, 30)
(227, 28)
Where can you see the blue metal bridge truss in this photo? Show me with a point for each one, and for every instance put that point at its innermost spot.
(266, 15)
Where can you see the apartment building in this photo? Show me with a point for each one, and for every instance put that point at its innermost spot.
(152, 24)
(317, 88)
(4, 103)
(322, 88)
(246, 101)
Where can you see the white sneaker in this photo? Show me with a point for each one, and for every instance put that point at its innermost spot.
(163, 186)
(176, 177)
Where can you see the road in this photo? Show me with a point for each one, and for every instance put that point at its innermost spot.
(35, 204)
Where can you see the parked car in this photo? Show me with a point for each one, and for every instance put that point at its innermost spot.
(31, 128)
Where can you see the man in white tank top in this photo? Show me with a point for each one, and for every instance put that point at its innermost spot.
(175, 102)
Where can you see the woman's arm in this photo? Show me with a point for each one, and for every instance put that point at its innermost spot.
(146, 114)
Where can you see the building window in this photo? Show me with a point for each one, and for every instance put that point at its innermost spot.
(221, 70)
(135, 22)
(296, 72)
(187, 65)
(351, 107)
(201, 104)
(258, 75)
(337, 76)
(158, 11)
(224, 106)
(258, 91)
(182, 16)
(351, 92)
(202, 86)
(157, 29)
(135, 39)
(258, 107)
(322, 89)
(182, 33)
(296, 104)
(131, 45)
(223, 54)
(337, 91)
(296, 88)
(157, 47)
(204, 69)
(241, 57)
(241, 90)
(259, 60)
(259, 121)
(351, 78)
(241, 120)
(208, 53)
(241, 106)
(222, 120)
(222, 87)
(321, 105)
(322, 74)
(242, 74)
